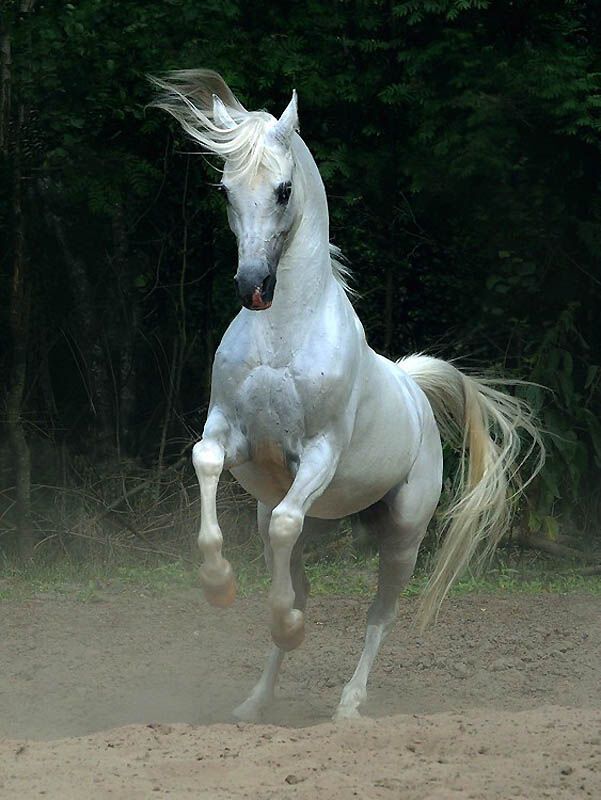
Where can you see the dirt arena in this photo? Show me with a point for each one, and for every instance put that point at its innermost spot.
(128, 697)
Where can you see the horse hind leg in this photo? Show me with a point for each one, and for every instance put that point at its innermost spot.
(397, 551)
(399, 523)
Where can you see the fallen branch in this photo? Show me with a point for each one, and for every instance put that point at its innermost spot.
(593, 570)
(554, 548)
(130, 546)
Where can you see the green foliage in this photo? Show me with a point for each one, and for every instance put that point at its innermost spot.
(459, 141)
(568, 409)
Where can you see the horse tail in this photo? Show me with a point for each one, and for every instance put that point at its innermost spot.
(484, 425)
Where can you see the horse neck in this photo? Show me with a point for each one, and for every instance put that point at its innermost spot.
(304, 277)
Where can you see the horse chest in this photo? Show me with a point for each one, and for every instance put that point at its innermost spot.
(270, 410)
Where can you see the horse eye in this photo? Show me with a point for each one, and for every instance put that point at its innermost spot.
(222, 188)
(283, 193)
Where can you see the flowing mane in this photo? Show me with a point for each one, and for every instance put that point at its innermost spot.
(188, 96)
(342, 271)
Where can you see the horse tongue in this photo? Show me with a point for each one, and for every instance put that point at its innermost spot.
(257, 299)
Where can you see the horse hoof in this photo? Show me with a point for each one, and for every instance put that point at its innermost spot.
(344, 714)
(221, 596)
(248, 711)
(290, 633)
(218, 584)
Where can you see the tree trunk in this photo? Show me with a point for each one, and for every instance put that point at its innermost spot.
(128, 380)
(388, 309)
(209, 341)
(124, 330)
(5, 88)
(180, 342)
(19, 327)
(90, 343)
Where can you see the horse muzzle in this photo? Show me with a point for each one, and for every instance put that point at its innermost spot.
(255, 284)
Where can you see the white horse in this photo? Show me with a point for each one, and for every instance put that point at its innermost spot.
(308, 418)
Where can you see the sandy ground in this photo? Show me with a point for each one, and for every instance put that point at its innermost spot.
(129, 697)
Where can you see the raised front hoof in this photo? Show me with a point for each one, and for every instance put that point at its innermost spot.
(289, 633)
(222, 597)
(220, 593)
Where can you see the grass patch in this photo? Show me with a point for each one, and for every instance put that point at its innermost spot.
(351, 575)
(84, 580)
(358, 577)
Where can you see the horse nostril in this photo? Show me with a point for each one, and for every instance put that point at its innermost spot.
(265, 284)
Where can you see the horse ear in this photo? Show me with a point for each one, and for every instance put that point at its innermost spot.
(221, 115)
(288, 122)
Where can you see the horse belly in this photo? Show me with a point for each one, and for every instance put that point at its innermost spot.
(361, 480)
(267, 477)
(342, 501)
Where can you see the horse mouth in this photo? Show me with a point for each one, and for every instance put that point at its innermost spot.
(257, 302)
(256, 292)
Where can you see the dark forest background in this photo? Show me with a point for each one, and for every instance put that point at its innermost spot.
(460, 145)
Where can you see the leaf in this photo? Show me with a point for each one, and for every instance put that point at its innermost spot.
(534, 521)
(551, 527)
(591, 375)
(594, 429)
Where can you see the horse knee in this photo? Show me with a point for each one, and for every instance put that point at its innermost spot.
(207, 458)
(285, 528)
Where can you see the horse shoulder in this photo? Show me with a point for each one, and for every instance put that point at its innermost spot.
(327, 364)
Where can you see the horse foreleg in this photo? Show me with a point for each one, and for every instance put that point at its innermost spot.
(216, 574)
(251, 710)
(316, 469)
